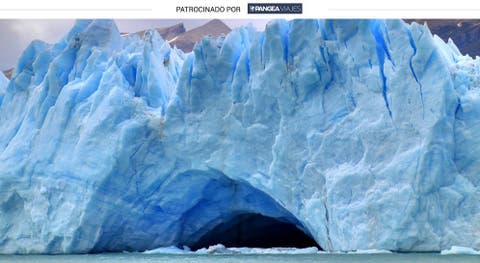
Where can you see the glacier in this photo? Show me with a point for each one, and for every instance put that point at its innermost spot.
(3, 86)
(363, 134)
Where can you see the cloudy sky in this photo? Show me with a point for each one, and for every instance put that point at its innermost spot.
(15, 35)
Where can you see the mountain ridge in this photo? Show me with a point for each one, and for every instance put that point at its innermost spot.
(465, 33)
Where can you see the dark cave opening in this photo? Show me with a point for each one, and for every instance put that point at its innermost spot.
(256, 230)
(194, 208)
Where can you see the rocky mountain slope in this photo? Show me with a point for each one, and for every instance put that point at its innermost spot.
(464, 32)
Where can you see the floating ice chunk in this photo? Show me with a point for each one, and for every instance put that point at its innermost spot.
(168, 250)
(370, 251)
(221, 249)
(275, 250)
(216, 249)
(458, 250)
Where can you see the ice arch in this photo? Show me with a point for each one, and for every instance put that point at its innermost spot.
(195, 208)
(255, 230)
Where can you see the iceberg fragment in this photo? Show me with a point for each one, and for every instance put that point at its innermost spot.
(167, 250)
(457, 250)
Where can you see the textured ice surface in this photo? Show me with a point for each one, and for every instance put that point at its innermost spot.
(3, 86)
(370, 251)
(456, 250)
(221, 249)
(364, 133)
(167, 250)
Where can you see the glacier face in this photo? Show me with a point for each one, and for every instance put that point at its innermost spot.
(362, 133)
(3, 86)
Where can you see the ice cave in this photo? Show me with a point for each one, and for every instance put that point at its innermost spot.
(220, 210)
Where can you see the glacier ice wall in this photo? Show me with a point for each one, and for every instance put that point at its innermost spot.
(363, 133)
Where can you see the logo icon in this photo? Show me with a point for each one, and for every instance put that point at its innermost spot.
(275, 8)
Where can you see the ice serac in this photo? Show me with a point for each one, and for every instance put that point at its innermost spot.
(361, 133)
(3, 86)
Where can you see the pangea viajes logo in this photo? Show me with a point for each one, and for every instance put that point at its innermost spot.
(275, 8)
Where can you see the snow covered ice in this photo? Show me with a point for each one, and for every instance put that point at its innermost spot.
(221, 249)
(364, 134)
(456, 250)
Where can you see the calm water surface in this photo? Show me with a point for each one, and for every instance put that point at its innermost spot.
(333, 258)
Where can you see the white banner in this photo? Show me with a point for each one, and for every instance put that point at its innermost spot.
(174, 9)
